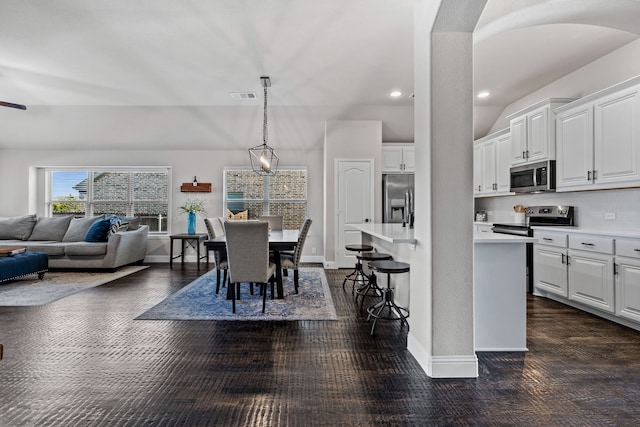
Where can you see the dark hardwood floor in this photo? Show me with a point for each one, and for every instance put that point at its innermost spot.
(84, 361)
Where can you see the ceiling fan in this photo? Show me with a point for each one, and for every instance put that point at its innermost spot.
(12, 105)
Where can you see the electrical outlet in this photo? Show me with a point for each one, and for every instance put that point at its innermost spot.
(313, 251)
(610, 215)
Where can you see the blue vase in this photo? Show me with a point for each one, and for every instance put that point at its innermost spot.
(191, 223)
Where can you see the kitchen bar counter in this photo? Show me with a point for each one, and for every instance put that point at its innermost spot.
(392, 233)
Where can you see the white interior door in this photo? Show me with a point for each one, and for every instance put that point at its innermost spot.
(355, 205)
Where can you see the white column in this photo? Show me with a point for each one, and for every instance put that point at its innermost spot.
(441, 305)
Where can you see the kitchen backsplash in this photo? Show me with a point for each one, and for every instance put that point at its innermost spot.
(591, 207)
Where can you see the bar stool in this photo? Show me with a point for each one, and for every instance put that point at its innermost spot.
(356, 275)
(370, 288)
(395, 312)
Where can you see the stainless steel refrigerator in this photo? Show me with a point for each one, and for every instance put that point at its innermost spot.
(394, 188)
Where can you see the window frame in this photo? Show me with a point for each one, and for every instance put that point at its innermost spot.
(130, 202)
(264, 200)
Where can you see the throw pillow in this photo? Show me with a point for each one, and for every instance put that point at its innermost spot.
(51, 228)
(117, 225)
(132, 222)
(78, 228)
(17, 227)
(99, 231)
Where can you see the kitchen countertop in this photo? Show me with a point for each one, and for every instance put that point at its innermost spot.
(597, 231)
(392, 233)
(396, 233)
(479, 237)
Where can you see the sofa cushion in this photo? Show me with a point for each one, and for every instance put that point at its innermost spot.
(52, 249)
(78, 228)
(98, 232)
(86, 249)
(17, 227)
(132, 222)
(51, 228)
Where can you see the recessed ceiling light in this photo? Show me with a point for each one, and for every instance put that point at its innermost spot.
(395, 94)
(483, 94)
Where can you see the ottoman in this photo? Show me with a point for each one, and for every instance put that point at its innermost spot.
(23, 264)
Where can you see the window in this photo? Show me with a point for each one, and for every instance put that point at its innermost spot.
(143, 193)
(282, 194)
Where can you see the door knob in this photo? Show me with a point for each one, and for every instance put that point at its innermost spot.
(366, 220)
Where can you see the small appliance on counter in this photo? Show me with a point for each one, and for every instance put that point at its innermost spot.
(481, 216)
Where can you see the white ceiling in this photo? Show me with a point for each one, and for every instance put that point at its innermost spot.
(159, 72)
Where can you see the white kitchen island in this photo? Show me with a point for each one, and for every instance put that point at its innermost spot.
(500, 292)
(500, 288)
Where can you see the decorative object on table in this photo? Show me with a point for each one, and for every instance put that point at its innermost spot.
(519, 216)
(243, 215)
(31, 291)
(192, 208)
(264, 159)
(199, 301)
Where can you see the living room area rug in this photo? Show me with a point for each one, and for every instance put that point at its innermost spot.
(198, 301)
(31, 291)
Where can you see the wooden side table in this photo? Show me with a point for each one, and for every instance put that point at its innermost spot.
(188, 241)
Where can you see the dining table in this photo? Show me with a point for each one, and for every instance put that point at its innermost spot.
(279, 240)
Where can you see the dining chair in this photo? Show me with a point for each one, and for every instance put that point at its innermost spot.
(215, 228)
(275, 221)
(291, 261)
(248, 257)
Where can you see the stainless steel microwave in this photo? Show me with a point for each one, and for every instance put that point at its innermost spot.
(534, 177)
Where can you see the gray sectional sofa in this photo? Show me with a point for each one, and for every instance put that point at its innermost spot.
(102, 242)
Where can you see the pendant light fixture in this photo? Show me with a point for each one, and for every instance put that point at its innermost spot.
(264, 159)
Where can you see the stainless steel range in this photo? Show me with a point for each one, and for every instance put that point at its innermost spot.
(548, 216)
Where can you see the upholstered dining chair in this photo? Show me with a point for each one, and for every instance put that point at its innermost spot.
(215, 228)
(248, 257)
(275, 221)
(291, 261)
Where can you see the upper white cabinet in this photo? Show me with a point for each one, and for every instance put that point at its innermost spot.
(398, 158)
(491, 162)
(533, 132)
(598, 140)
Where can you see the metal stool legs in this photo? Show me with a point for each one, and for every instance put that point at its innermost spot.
(356, 276)
(393, 311)
(370, 289)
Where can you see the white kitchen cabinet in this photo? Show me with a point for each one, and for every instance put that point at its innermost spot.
(550, 269)
(598, 140)
(627, 279)
(491, 163)
(591, 271)
(477, 169)
(591, 279)
(627, 288)
(533, 132)
(398, 158)
(550, 262)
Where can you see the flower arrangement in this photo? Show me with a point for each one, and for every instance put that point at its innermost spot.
(192, 206)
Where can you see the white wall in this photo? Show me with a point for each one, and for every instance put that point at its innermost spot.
(606, 71)
(349, 139)
(620, 65)
(18, 186)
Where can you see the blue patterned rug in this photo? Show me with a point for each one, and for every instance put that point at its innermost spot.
(198, 301)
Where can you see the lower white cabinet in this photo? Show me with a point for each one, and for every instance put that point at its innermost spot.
(598, 272)
(627, 286)
(550, 269)
(591, 279)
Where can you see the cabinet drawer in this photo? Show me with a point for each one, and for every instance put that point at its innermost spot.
(550, 238)
(628, 247)
(602, 245)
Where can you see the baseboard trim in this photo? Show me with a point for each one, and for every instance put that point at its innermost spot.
(443, 366)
